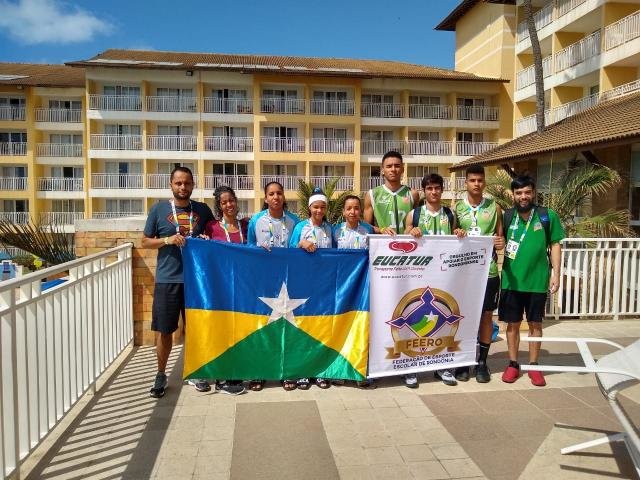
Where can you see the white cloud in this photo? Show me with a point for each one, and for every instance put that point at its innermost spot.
(49, 21)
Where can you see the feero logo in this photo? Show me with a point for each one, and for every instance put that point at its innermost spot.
(406, 246)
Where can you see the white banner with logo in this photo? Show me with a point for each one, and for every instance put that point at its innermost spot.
(426, 301)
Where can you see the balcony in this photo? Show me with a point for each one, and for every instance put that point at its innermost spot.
(116, 142)
(228, 105)
(481, 114)
(171, 104)
(118, 214)
(60, 184)
(282, 105)
(622, 31)
(383, 110)
(367, 183)
(380, 147)
(526, 76)
(469, 149)
(458, 185)
(15, 217)
(289, 182)
(228, 144)
(13, 113)
(332, 107)
(541, 18)
(237, 182)
(58, 150)
(344, 184)
(282, 144)
(13, 148)
(123, 103)
(58, 115)
(172, 143)
(565, 6)
(13, 183)
(61, 218)
(578, 52)
(161, 181)
(624, 89)
(331, 145)
(426, 147)
(435, 112)
(117, 180)
(571, 108)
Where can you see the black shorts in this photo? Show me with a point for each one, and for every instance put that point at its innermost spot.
(514, 304)
(168, 305)
(491, 294)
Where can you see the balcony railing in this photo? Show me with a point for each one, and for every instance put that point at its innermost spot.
(228, 105)
(61, 218)
(331, 145)
(13, 183)
(116, 142)
(437, 112)
(482, 114)
(172, 143)
(565, 6)
(289, 182)
(429, 147)
(117, 180)
(622, 31)
(13, 148)
(382, 110)
(468, 149)
(15, 217)
(171, 104)
(282, 144)
(60, 184)
(58, 115)
(237, 182)
(578, 52)
(541, 18)
(380, 147)
(118, 214)
(526, 76)
(126, 103)
(332, 107)
(624, 89)
(367, 183)
(571, 108)
(161, 181)
(282, 105)
(58, 150)
(228, 144)
(416, 182)
(13, 113)
(344, 183)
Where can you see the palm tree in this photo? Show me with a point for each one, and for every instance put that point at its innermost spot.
(537, 64)
(572, 193)
(44, 240)
(335, 206)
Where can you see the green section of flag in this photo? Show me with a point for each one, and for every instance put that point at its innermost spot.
(261, 355)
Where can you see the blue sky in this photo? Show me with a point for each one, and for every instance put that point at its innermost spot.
(55, 31)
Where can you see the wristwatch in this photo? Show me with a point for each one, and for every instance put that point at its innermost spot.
(166, 240)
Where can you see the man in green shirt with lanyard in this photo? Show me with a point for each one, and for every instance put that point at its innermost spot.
(477, 215)
(386, 206)
(531, 232)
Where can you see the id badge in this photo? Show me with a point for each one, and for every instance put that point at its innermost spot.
(474, 232)
(511, 249)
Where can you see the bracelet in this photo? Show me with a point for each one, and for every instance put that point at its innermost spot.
(166, 240)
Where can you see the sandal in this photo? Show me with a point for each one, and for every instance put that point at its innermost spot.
(323, 383)
(289, 385)
(303, 384)
(256, 385)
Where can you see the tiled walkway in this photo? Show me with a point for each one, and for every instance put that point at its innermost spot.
(495, 431)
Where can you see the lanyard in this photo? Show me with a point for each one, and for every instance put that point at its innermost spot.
(526, 227)
(175, 217)
(428, 214)
(223, 224)
(284, 229)
(315, 235)
(474, 212)
(356, 235)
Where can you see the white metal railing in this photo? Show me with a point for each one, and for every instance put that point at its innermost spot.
(60, 184)
(380, 147)
(282, 144)
(174, 143)
(547, 66)
(477, 113)
(59, 150)
(345, 183)
(228, 144)
(427, 147)
(57, 342)
(541, 18)
(437, 112)
(15, 217)
(289, 182)
(157, 181)
(117, 180)
(382, 110)
(578, 52)
(282, 105)
(525, 125)
(129, 103)
(171, 104)
(565, 6)
(228, 105)
(571, 108)
(332, 107)
(13, 113)
(620, 90)
(527, 76)
(117, 214)
(13, 148)
(13, 183)
(116, 142)
(61, 218)
(332, 145)
(237, 182)
(367, 183)
(622, 31)
(58, 115)
(468, 149)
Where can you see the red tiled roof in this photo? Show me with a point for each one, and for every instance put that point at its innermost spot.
(41, 75)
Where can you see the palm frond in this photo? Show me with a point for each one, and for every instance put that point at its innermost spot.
(609, 224)
(499, 187)
(335, 206)
(45, 241)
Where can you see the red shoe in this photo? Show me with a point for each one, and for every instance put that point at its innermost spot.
(510, 374)
(537, 378)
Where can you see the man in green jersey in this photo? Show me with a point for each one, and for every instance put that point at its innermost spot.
(386, 206)
(532, 230)
(477, 215)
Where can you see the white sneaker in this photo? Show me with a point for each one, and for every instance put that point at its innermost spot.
(411, 380)
(447, 377)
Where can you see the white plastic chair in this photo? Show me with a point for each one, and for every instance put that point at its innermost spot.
(615, 372)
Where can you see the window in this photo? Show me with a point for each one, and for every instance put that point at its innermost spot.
(111, 129)
(594, 90)
(123, 168)
(65, 104)
(381, 135)
(470, 109)
(423, 100)
(14, 171)
(167, 168)
(67, 139)
(377, 98)
(175, 130)
(281, 132)
(13, 137)
(223, 93)
(286, 170)
(424, 136)
(230, 169)
(227, 131)
(331, 133)
(124, 205)
(470, 137)
(419, 171)
(12, 102)
(123, 90)
(174, 92)
(67, 172)
(15, 205)
(329, 171)
(284, 94)
(67, 206)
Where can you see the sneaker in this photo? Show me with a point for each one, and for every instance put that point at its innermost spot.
(537, 378)
(368, 384)
(462, 374)
(510, 374)
(446, 376)
(411, 380)
(230, 388)
(199, 384)
(159, 386)
(303, 383)
(483, 375)
(323, 383)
